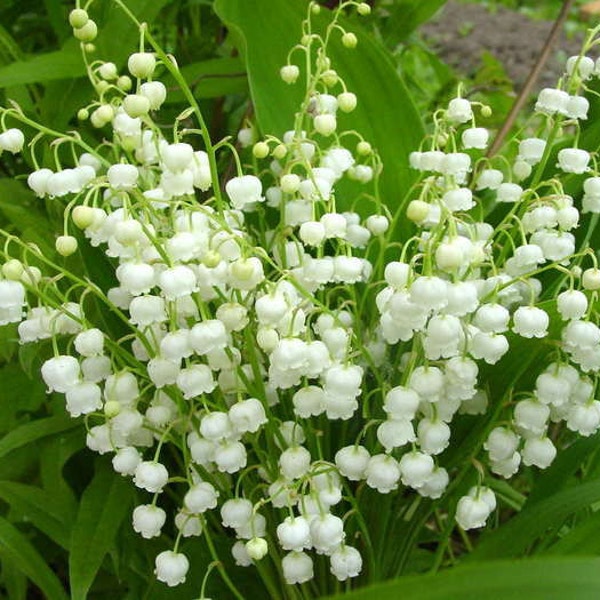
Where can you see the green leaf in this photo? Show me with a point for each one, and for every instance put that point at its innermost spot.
(15, 548)
(559, 474)
(534, 579)
(36, 430)
(65, 63)
(385, 115)
(39, 508)
(19, 206)
(115, 26)
(404, 16)
(583, 539)
(516, 536)
(210, 79)
(57, 17)
(9, 49)
(14, 581)
(104, 505)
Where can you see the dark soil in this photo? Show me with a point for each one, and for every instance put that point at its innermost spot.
(461, 33)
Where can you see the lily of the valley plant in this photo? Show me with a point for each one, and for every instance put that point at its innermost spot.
(289, 376)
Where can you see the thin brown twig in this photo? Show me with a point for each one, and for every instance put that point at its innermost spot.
(531, 79)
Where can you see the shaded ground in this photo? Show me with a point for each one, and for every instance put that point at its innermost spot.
(461, 33)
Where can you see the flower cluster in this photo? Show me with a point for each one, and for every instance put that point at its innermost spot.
(244, 339)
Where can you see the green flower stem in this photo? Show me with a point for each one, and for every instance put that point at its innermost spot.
(219, 565)
(189, 96)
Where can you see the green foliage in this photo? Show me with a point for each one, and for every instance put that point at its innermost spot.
(103, 506)
(539, 579)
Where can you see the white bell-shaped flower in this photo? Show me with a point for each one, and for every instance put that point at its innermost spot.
(573, 160)
(151, 476)
(297, 567)
(148, 520)
(61, 373)
(171, 567)
(346, 562)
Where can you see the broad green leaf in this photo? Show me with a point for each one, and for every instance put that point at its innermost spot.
(57, 17)
(517, 535)
(55, 452)
(62, 100)
(559, 474)
(582, 539)
(404, 16)
(385, 116)
(14, 581)
(534, 579)
(210, 78)
(65, 63)
(9, 49)
(19, 207)
(39, 508)
(36, 430)
(17, 549)
(104, 505)
(115, 26)
(18, 390)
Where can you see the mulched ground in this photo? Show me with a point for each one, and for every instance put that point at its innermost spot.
(462, 32)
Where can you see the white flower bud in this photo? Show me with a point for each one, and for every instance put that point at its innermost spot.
(141, 64)
(12, 140)
(325, 124)
(87, 32)
(155, 92)
(377, 224)
(289, 73)
(257, 548)
(347, 101)
(590, 279)
(136, 105)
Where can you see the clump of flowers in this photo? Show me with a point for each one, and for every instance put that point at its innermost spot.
(246, 344)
